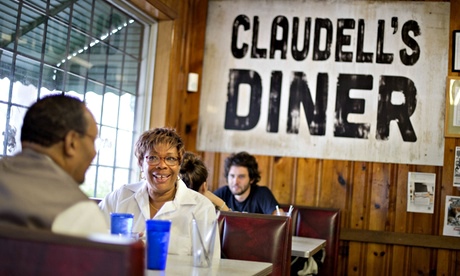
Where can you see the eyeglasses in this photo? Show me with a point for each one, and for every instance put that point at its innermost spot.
(155, 160)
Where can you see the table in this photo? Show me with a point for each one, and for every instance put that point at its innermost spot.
(182, 265)
(306, 247)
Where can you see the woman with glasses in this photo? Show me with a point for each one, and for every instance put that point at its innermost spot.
(162, 194)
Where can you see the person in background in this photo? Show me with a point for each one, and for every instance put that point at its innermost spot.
(162, 194)
(40, 185)
(194, 174)
(242, 193)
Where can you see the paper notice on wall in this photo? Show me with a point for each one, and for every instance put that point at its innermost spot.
(457, 167)
(452, 216)
(420, 192)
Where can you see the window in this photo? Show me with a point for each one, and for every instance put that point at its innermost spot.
(91, 49)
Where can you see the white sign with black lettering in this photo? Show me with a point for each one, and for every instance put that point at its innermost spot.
(345, 80)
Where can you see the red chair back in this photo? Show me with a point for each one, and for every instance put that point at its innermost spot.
(38, 252)
(320, 223)
(257, 237)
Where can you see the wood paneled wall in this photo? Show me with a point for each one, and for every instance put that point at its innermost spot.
(371, 196)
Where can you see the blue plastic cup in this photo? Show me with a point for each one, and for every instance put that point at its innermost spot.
(121, 224)
(157, 242)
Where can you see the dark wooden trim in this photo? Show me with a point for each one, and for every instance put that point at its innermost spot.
(407, 239)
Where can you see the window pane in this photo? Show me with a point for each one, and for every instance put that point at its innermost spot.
(124, 153)
(104, 181)
(56, 43)
(110, 109)
(40, 4)
(3, 127)
(81, 19)
(94, 102)
(24, 95)
(52, 79)
(133, 47)
(8, 23)
(97, 58)
(101, 20)
(4, 91)
(117, 30)
(6, 63)
(107, 148)
(13, 145)
(26, 77)
(75, 94)
(75, 84)
(121, 178)
(31, 33)
(78, 57)
(126, 111)
(95, 87)
(88, 187)
(86, 48)
(27, 71)
(44, 92)
(114, 69)
(130, 75)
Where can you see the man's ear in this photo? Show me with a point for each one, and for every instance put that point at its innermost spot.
(71, 141)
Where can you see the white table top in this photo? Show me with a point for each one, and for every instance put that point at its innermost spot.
(182, 265)
(306, 247)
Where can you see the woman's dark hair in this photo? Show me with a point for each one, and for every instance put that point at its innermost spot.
(243, 159)
(50, 119)
(193, 171)
(150, 138)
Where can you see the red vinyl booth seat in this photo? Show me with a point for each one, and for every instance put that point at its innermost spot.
(38, 252)
(320, 223)
(257, 237)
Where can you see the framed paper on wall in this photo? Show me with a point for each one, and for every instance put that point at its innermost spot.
(420, 192)
(452, 120)
(456, 51)
(457, 167)
(452, 217)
